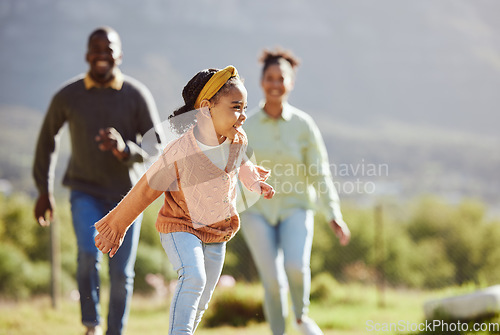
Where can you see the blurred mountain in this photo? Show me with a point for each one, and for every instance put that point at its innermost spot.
(411, 85)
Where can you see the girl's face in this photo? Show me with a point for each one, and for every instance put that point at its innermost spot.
(277, 82)
(228, 113)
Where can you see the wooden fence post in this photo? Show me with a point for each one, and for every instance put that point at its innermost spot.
(380, 254)
(55, 263)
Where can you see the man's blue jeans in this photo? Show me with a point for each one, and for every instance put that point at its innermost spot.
(86, 210)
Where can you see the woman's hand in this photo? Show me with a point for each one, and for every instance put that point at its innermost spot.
(341, 230)
(266, 190)
(106, 246)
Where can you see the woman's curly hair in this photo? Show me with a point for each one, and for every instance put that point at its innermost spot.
(271, 57)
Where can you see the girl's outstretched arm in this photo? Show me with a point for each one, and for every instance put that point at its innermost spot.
(112, 227)
(160, 177)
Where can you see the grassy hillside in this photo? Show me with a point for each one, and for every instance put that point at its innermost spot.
(354, 310)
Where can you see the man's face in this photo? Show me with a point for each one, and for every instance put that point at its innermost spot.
(103, 54)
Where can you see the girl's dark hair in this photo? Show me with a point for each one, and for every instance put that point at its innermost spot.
(271, 57)
(180, 119)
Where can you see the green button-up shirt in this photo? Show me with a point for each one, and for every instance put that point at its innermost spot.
(293, 149)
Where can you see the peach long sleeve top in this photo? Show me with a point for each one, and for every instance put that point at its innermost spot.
(200, 198)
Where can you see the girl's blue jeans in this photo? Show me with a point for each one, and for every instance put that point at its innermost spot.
(282, 255)
(198, 266)
(86, 211)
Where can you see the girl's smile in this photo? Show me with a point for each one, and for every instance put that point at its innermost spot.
(228, 112)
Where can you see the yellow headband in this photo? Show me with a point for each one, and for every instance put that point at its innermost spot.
(215, 83)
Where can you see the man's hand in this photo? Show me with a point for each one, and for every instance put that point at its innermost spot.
(106, 246)
(341, 230)
(44, 203)
(110, 140)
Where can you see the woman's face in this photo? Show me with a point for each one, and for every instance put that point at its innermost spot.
(277, 82)
(228, 113)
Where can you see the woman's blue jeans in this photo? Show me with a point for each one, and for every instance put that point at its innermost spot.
(198, 267)
(86, 211)
(282, 255)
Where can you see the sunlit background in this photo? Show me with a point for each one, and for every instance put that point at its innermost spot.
(410, 84)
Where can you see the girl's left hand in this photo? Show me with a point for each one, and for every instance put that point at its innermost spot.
(266, 190)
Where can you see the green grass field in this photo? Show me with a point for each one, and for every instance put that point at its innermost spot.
(353, 307)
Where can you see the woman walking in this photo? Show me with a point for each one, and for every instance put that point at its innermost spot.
(279, 233)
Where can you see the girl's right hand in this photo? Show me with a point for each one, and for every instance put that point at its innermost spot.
(106, 246)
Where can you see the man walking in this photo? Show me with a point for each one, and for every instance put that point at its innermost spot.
(107, 113)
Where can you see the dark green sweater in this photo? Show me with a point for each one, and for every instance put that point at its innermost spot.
(131, 111)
